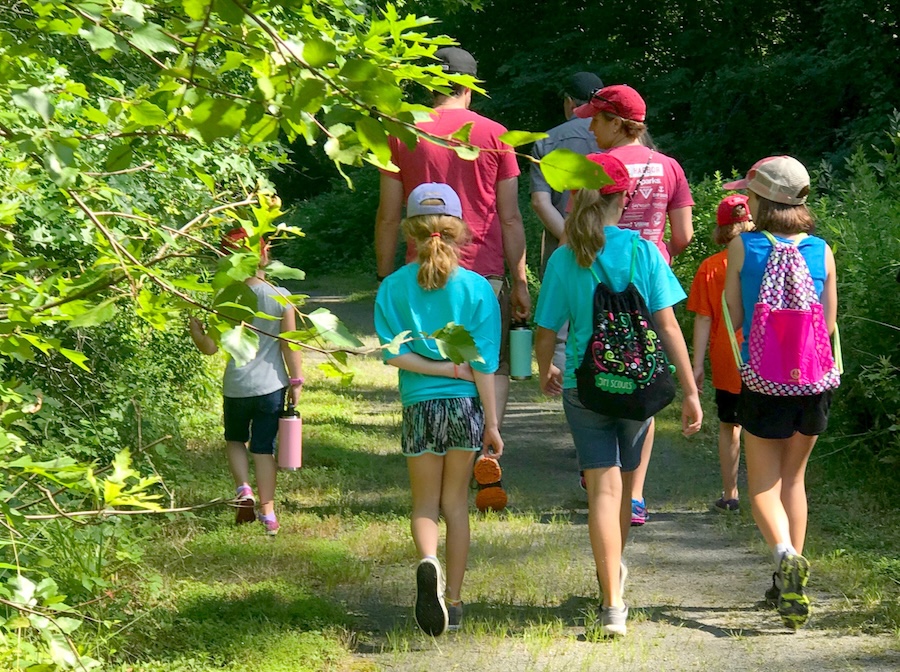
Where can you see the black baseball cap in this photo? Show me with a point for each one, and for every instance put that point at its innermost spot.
(582, 85)
(456, 61)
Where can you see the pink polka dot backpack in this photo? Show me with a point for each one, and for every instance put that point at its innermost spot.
(790, 352)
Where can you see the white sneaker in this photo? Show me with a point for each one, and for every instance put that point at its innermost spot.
(431, 612)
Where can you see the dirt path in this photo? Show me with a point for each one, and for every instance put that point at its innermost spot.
(694, 585)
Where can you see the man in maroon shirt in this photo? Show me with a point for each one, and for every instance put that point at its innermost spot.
(487, 187)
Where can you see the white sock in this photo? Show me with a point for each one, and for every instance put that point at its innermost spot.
(781, 550)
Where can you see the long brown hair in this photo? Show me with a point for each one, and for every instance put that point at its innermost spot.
(591, 211)
(783, 218)
(437, 239)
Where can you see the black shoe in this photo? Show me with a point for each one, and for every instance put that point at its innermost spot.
(773, 594)
(431, 612)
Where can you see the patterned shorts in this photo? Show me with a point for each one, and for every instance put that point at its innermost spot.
(439, 425)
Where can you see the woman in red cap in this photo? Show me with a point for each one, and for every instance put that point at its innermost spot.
(608, 447)
(658, 190)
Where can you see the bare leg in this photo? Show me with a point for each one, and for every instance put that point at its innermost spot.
(425, 475)
(640, 474)
(793, 486)
(605, 499)
(501, 394)
(237, 462)
(729, 458)
(265, 482)
(455, 508)
(625, 506)
(764, 457)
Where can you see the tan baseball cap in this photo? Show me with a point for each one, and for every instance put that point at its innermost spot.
(779, 178)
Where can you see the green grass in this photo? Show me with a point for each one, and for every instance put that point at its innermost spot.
(210, 596)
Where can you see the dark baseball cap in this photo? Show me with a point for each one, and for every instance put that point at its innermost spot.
(456, 61)
(582, 85)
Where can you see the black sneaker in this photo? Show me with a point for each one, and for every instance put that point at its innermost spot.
(431, 612)
(773, 594)
(454, 615)
(793, 602)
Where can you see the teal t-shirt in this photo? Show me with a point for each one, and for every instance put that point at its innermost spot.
(467, 299)
(567, 292)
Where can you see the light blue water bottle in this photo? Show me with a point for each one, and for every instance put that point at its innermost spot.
(520, 347)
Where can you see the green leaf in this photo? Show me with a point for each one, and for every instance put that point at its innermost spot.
(133, 9)
(152, 39)
(241, 343)
(374, 137)
(467, 152)
(35, 100)
(98, 37)
(564, 169)
(237, 302)
(114, 84)
(519, 138)
(464, 132)
(119, 158)
(218, 118)
(318, 53)
(359, 70)
(229, 12)
(283, 272)
(76, 357)
(456, 344)
(102, 312)
(233, 60)
(196, 9)
(394, 346)
(146, 113)
(331, 329)
(264, 130)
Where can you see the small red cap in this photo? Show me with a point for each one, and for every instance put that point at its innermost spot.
(616, 170)
(231, 241)
(732, 209)
(618, 99)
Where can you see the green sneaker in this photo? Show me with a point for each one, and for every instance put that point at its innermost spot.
(793, 602)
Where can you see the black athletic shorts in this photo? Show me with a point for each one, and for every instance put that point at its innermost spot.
(771, 417)
(727, 405)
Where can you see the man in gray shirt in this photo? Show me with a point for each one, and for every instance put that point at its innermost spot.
(573, 134)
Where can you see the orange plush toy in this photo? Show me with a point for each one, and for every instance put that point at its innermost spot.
(491, 494)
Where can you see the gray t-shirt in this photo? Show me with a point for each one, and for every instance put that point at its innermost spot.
(266, 372)
(575, 135)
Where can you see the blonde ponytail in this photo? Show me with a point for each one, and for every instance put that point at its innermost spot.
(591, 211)
(437, 239)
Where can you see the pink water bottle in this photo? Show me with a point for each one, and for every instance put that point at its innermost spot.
(290, 439)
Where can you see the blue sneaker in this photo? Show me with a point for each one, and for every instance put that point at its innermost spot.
(638, 512)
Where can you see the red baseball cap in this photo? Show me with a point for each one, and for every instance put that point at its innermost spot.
(733, 209)
(616, 170)
(618, 99)
(231, 241)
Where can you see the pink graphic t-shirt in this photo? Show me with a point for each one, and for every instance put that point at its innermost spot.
(474, 181)
(661, 187)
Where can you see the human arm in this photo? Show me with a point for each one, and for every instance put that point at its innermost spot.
(492, 444)
(293, 359)
(681, 228)
(702, 328)
(204, 343)
(676, 350)
(414, 362)
(829, 292)
(513, 233)
(733, 282)
(549, 375)
(543, 207)
(387, 224)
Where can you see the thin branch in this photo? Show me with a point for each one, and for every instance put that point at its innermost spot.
(124, 171)
(106, 513)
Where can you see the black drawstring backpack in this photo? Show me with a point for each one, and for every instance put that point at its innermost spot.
(625, 372)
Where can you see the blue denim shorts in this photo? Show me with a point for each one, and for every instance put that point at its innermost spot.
(602, 441)
(254, 419)
(438, 425)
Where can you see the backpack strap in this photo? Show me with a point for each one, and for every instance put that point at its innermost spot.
(731, 337)
(796, 242)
